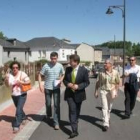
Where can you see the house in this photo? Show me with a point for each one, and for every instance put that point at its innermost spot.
(13, 49)
(86, 53)
(98, 55)
(116, 54)
(41, 47)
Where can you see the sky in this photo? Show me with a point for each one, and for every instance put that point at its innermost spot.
(76, 20)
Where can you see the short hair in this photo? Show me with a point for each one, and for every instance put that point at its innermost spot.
(15, 63)
(53, 54)
(132, 57)
(75, 58)
(110, 61)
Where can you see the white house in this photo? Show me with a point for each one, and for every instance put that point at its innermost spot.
(13, 49)
(40, 48)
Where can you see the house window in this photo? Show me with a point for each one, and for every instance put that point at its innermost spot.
(8, 54)
(71, 51)
(63, 54)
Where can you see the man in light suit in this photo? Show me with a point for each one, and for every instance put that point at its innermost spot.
(76, 80)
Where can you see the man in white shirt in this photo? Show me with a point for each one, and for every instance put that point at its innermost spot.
(131, 93)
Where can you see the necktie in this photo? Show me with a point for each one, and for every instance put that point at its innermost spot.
(73, 76)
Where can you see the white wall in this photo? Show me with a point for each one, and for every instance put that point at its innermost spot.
(86, 53)
(20, 56)
(1, 51)
(64, 53)
(44, 53)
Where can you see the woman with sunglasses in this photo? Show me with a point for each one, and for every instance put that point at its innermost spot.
(15, 79)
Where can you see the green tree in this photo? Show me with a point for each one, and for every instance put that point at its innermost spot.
(2, 35)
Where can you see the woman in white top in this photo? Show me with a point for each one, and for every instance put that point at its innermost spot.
(15, 79)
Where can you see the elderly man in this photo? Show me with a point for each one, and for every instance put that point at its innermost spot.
(132, 77)
(108, 82)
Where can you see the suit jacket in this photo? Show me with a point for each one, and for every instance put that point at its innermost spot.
(82, 80)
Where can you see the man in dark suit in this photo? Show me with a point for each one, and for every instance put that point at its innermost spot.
(76, 80)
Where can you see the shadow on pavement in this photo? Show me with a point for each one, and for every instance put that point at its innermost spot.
(6, 118)
(92, 120)
(63, 127)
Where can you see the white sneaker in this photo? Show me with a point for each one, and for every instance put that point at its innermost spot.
(15, 130)
(56, 127)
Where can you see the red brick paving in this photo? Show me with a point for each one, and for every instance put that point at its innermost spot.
(35, 102)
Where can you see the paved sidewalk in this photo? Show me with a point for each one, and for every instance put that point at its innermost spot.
(35, 103)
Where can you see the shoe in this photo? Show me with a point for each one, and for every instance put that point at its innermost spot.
(127, 115)
(15, 130)
(105, 128)
(73, 135)
(23, 122)
(56, 127)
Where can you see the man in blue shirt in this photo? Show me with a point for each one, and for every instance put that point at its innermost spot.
(53, 73)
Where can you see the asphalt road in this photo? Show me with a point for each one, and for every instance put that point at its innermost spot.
(90, 124)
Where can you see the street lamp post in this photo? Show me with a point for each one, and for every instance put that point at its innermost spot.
(122, 8)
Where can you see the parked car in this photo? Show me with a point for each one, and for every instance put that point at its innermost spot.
(98, 68)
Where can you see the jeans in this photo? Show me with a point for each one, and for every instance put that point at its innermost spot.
(74, 113)
(107, 103)
(56, 98)
(19, 102)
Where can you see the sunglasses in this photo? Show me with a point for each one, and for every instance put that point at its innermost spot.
(132, 60)
(15, 68)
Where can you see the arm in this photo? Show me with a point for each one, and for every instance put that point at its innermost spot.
(65, 80)
(85, 82)
(40, 82)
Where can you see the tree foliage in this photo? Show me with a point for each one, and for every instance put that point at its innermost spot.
(130, 48)
(2, 36)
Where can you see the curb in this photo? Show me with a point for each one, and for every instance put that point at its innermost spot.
(29, 129)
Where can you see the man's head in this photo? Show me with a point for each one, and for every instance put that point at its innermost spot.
(132, 61)
(108, 64)
(74, 60)
(54, 57)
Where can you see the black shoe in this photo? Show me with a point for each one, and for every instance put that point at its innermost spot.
(105, 128)
(127, 115)
(74, 134)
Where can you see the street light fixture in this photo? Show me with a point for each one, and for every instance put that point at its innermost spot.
(122, 8)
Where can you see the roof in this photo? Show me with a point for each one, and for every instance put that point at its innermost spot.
(116, 51)
(9, 46)
(105, 50)
(5, 43)
(47, 42)
(75, 45)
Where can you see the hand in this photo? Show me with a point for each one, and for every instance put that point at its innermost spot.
(70, 85)
(96, 95)
(75, 87)
(18, 82)
(41, 88)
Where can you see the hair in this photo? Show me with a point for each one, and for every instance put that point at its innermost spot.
(110, 61)
(132, 57)
(53, 54)
(13, 63)
(75, 58)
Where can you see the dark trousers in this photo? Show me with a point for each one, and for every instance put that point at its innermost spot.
(56, 98)
(74, 112)
(19, 102)
(130, 98)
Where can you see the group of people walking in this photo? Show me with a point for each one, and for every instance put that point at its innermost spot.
(75, 79)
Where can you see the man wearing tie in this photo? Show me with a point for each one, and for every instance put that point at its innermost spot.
(76, 80)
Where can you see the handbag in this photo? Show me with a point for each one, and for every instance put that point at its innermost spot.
(25, 87)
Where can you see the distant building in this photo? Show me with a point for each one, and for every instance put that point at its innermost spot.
(40, 48)
(13, 49)
(86, 53)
